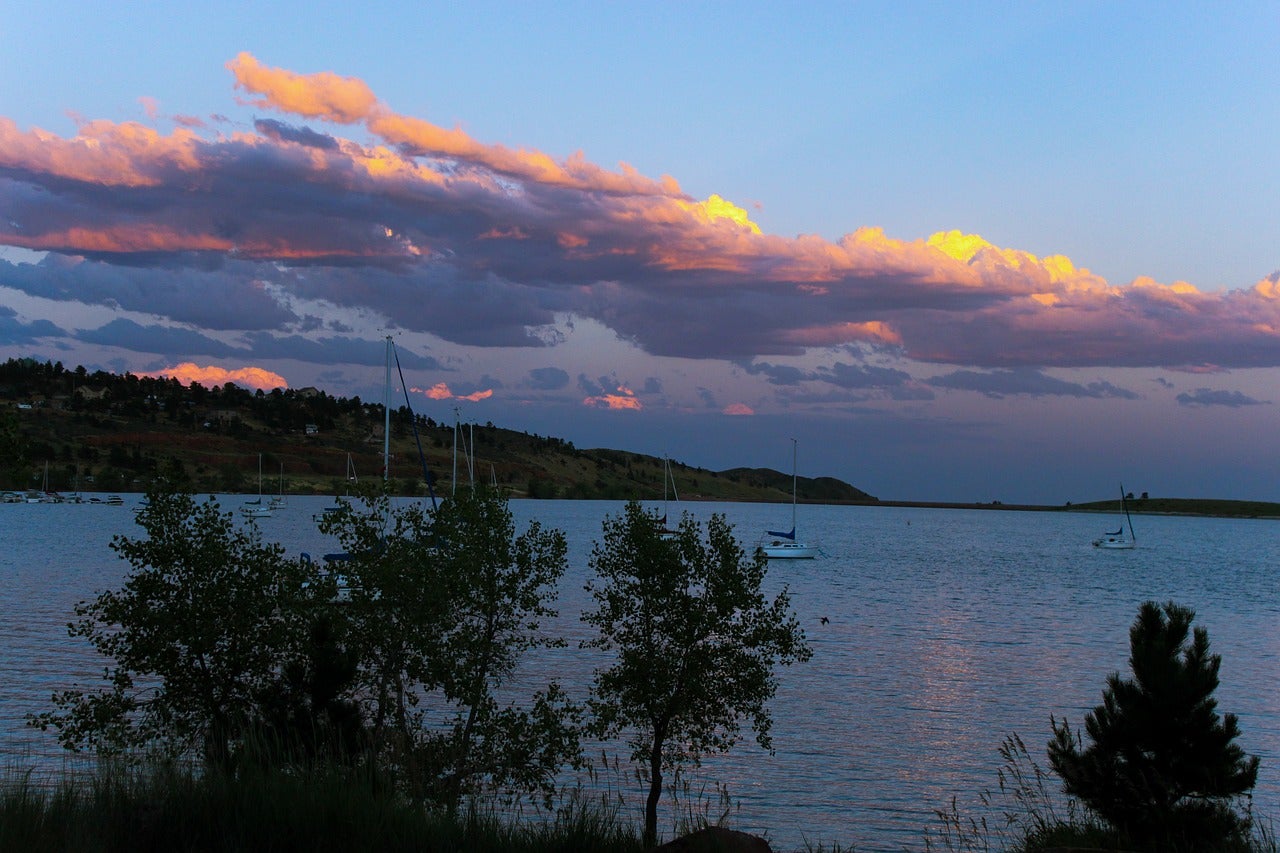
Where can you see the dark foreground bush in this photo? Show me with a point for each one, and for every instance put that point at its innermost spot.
(167, 809)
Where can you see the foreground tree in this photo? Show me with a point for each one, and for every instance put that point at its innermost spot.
(697, 643)
(1161, 766)
(445, 604)
(198, 637)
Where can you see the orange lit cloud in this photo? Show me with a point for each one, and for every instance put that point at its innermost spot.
(440, 391)
(214, 377)
(345, 100)
(738, 409)
(624, 399)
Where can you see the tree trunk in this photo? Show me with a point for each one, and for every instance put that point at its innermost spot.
(655, 789)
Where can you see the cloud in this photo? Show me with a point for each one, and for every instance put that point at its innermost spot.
(215, 377)
(1210, 397)
(487, 245)
(738, 409)
(608, 394)
(891, 382)
(440, 391)
(14, 331)
(1026, 381)
(547, 379)
(165, 340)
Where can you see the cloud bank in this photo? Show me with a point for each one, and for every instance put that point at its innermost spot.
(342, 201)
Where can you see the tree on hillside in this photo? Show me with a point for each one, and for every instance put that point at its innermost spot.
(1161, 766)
(697, 643)
(444, 604)
(197, 638)
(13, 449)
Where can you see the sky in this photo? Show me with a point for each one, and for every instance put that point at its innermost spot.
(973, 252)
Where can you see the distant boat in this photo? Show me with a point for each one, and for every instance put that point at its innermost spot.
(331, 511)
(1117, 540)
(784, 545)
(668, 479)
(278, 502)
(256, 508)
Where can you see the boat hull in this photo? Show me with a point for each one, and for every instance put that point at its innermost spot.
(789, 551)
(1115, 544)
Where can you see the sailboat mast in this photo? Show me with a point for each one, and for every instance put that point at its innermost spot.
(1125, 503)
(793, 485)
(386, 415)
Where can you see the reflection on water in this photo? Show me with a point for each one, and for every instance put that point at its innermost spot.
(945, 630)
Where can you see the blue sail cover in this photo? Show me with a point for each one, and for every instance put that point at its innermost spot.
(791, 535)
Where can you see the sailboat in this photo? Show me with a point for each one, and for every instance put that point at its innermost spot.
(256, 508)
(330, 511)
(784, 545)
(278, 501)
(1117, 540)
(668, 479)
(335, 560)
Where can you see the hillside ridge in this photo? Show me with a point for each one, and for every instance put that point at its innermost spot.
(101, 431)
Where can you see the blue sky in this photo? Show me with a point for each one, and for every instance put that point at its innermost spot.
(1106, 309)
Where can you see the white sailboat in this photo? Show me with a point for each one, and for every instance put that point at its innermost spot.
(278, 502)
(256, 508)
(668, 479)
(1117, 540)
(784, 546)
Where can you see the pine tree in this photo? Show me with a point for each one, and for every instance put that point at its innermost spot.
(1161, 767)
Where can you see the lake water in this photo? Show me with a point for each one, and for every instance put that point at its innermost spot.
(944, 631)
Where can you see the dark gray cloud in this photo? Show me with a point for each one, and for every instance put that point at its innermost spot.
(885, 381)
(547, 379)
(169, 341)
(777, 374)
(14, 331)
(1026, 381)
(1211, 397)
(333, 350)
(220, 294)
(282, 132)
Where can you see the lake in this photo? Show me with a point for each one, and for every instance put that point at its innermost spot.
(935, 632)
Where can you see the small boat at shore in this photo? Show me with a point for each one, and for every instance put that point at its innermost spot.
(784, 546)
(1117, 541)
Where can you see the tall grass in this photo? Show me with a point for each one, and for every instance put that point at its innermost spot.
(1026, 814)
(161, 807)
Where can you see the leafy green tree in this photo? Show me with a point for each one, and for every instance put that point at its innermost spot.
(197, 637)
(697, 643)
(445, 603)
(1161, 766)
(13, 448)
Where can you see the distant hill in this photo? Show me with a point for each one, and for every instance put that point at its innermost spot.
(814, 490)
(1185, 506)
(107, 432)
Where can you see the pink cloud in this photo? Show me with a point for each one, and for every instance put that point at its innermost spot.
(213, 377)
(624, 400)
(491, 245)
(440, 391)
(738, 409)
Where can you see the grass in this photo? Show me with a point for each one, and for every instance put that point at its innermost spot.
(131, 808)
(160, 808)
(1026, 814)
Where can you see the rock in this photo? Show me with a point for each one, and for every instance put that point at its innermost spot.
(716, 839)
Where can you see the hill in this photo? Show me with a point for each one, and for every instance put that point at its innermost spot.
(1185, 506)
(107, 432)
